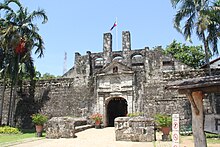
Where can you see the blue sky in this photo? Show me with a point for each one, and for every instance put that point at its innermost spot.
(78, 26)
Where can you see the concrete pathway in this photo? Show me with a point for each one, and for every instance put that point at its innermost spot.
(92, 138)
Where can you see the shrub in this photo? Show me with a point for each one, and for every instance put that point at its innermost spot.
(163, 120)
(9, 130)
(39, 119)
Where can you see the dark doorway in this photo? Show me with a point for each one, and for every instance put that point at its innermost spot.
(117, 107)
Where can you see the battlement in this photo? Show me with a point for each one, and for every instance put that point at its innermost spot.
(152, 60)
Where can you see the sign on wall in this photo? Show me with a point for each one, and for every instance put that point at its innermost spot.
(175, 130)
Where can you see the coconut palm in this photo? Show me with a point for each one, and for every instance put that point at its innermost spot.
(214, 27)
(20, 35)
(193, 15)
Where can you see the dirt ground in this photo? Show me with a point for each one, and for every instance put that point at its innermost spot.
(103, 138)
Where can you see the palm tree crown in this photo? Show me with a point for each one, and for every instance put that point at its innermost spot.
(192, 15)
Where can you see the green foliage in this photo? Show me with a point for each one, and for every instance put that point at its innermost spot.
(163, 120)
(9, 130)
(192, 56)
(210, 135)
(39, 119)
(135, 114)
(47, 76)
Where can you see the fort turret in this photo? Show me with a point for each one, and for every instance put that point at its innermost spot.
(107, 48)
(126, 46)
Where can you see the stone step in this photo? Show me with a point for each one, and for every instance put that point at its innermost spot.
(82, 128)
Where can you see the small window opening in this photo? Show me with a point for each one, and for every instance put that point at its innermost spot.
(115, 69)
(167, 63)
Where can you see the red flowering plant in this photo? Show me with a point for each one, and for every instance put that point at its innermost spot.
(20, 48)
(97, 117)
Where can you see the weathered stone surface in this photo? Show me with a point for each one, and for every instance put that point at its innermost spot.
(139, 129)
(63, 127)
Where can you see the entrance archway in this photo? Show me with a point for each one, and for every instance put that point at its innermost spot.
(117, 107)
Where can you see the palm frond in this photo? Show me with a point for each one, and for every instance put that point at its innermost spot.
(213, 37)
(17, 2)
(5, 7)
(188, 27)
(40, 13)
(175, 3)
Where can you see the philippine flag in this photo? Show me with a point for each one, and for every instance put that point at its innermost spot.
(114, 25)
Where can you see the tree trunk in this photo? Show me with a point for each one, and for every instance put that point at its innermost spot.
(197, 118)
(9, 107)
(206, 46)
(2, 100)
(13, 107)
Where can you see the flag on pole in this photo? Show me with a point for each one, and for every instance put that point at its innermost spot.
(114, 25)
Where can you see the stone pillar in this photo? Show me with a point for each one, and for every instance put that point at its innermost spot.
(107, 48)
(89, 68)
(77, 55)
(126, 47)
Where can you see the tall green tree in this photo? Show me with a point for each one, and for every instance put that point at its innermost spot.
(20, 37)
(213, 27)
(192, 14)
(192, 56)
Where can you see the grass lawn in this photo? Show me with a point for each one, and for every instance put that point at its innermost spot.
(7, 138)
(213, 140)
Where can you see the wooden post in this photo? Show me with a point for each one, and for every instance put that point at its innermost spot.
(196, 100)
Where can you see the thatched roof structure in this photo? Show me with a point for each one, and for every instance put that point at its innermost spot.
(206, 84)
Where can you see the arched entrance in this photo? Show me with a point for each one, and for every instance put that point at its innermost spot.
(117, 107)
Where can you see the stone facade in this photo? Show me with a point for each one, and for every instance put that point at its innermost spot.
(113, 83)
(136, 78)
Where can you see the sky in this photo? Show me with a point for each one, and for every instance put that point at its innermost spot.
(79, 25)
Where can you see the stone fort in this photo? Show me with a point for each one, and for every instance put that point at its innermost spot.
(113, 83)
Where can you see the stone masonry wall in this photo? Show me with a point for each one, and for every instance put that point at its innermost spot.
(57, 97)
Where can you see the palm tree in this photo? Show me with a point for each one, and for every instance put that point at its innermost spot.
(214, 27)
(194, 14)
(21, 37)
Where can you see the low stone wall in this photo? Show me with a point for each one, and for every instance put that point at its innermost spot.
(139, 129)
(63, 127)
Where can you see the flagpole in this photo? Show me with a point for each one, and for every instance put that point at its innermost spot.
(116, 34)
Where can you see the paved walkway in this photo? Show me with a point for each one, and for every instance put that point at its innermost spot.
(91, 138)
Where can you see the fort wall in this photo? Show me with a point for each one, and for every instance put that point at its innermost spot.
(137, 76)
